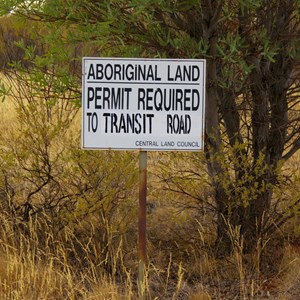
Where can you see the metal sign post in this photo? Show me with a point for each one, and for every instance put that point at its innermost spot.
(142, 252)
(146, 105)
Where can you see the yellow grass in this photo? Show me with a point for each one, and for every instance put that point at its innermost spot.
(95, 257)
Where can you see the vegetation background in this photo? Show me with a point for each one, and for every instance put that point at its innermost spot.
(223, 224)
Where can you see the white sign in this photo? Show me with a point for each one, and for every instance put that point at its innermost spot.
(145, 104)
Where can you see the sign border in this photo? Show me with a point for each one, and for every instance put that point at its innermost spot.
(201, 140)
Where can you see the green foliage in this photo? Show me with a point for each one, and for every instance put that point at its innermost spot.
(46, 170)
(4, 90)
(244, 180)
(250, 4)
(251, 47)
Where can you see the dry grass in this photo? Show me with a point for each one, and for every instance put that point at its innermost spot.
(93, 256)
(31, 271)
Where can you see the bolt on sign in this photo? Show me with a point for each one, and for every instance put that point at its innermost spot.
(143, 104)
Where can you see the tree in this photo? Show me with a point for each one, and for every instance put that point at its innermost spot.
(252, 111)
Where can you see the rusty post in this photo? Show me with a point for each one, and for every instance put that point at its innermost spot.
(142, 253)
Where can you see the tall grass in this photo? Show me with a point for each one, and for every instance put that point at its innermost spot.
(79, 241)
(37, 265)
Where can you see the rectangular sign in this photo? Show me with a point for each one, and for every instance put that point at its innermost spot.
(144, 104)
